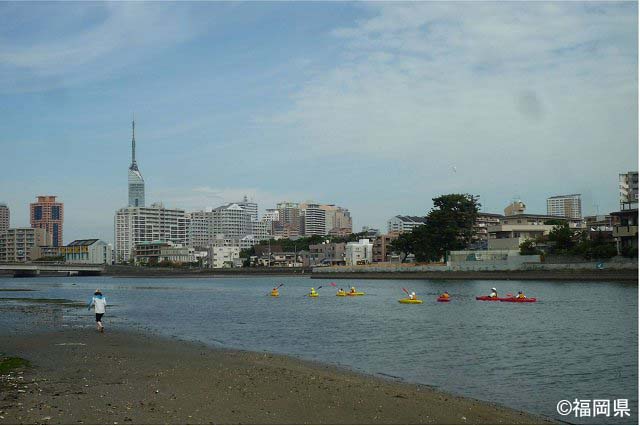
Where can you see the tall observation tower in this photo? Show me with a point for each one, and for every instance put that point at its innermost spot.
(136, 182)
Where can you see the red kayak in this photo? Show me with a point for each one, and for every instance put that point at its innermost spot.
(444, 299)
(516, 300)
(488, 299)
(507, 299)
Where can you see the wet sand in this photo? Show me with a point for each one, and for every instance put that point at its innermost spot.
(81, 376)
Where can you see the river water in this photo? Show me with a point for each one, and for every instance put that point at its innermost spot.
(580, 340)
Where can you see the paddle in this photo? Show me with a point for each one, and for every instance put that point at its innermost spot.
(275, 288)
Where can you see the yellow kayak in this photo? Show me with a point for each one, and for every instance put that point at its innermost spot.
(410, 301)
(313, 294)
(275, 294)
(341, 293)
(357, 293)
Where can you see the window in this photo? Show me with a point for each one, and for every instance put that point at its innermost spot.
(37, 213)
(55, 212)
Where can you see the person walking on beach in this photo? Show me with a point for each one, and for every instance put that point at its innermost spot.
(99, 303)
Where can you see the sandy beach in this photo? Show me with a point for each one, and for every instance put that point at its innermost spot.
(81, 376)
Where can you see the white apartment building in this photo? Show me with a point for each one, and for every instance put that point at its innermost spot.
(400, 224)
(628, 184)
(261, 230)
(359, 253)
(135, 225)
(231, 220)
(565, 205)
(312, 219)
(250, 207)
(198, 230)
(223, 256)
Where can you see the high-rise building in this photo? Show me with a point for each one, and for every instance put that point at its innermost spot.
(628, 184)
(565, 205)
(288, 224)
(337, 220)
(250, 207)
(136, 182)
(312, 219)
(4, 218)
(230, 220)
(198, 230)
(135, 225)
(48, 214)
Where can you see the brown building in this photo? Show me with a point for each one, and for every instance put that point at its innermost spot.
(48, 214)
(19, 244)
(382, 247)
(625, 231)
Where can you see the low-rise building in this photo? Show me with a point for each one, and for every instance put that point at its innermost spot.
(382, 248)
(481, 229)
(155, 252)
(360, 253)
(400, 224)
(625, 232)
(223, 256)
(92, 251)
(18, 244)
(327, 254)
(514, 230)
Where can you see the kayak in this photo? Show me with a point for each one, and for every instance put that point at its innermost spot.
(357, 293)
(444, 299)
(507, 299)
(313, 294)
(410, 301)
(516, 300)
(341, 293)
(488, 299)
(275, 294)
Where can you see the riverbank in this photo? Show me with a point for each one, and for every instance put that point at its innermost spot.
(80, 375)
(537, 275)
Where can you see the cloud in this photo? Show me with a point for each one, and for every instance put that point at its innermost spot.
(473, 78)
(98, 40)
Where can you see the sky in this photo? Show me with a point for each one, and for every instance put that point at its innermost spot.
(377, 107)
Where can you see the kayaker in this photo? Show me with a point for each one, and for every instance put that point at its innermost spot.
(341, 290)
(275, 292)
(445, 295)
(313, 292)
(353, 290)
(521, 295)
(412, 296)
(494, 293)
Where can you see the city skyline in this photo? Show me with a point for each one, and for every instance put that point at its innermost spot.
(297, 113)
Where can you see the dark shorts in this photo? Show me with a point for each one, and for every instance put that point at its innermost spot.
(99, 317)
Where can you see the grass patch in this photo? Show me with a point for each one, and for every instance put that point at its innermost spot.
(12, 363)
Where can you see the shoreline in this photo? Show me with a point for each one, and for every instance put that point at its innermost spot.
(141, 378)
(568, 275)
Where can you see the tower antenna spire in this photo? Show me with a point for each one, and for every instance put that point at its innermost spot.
(133, 140)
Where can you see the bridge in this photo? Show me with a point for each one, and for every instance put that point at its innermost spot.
(34, 269)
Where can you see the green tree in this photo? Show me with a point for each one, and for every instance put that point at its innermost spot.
(404, 244)
(528, 247)
(562, 236)
(449, 226)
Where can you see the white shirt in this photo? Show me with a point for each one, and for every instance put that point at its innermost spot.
(99, 303)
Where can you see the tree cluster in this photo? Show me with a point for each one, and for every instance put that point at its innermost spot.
(449, 226)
